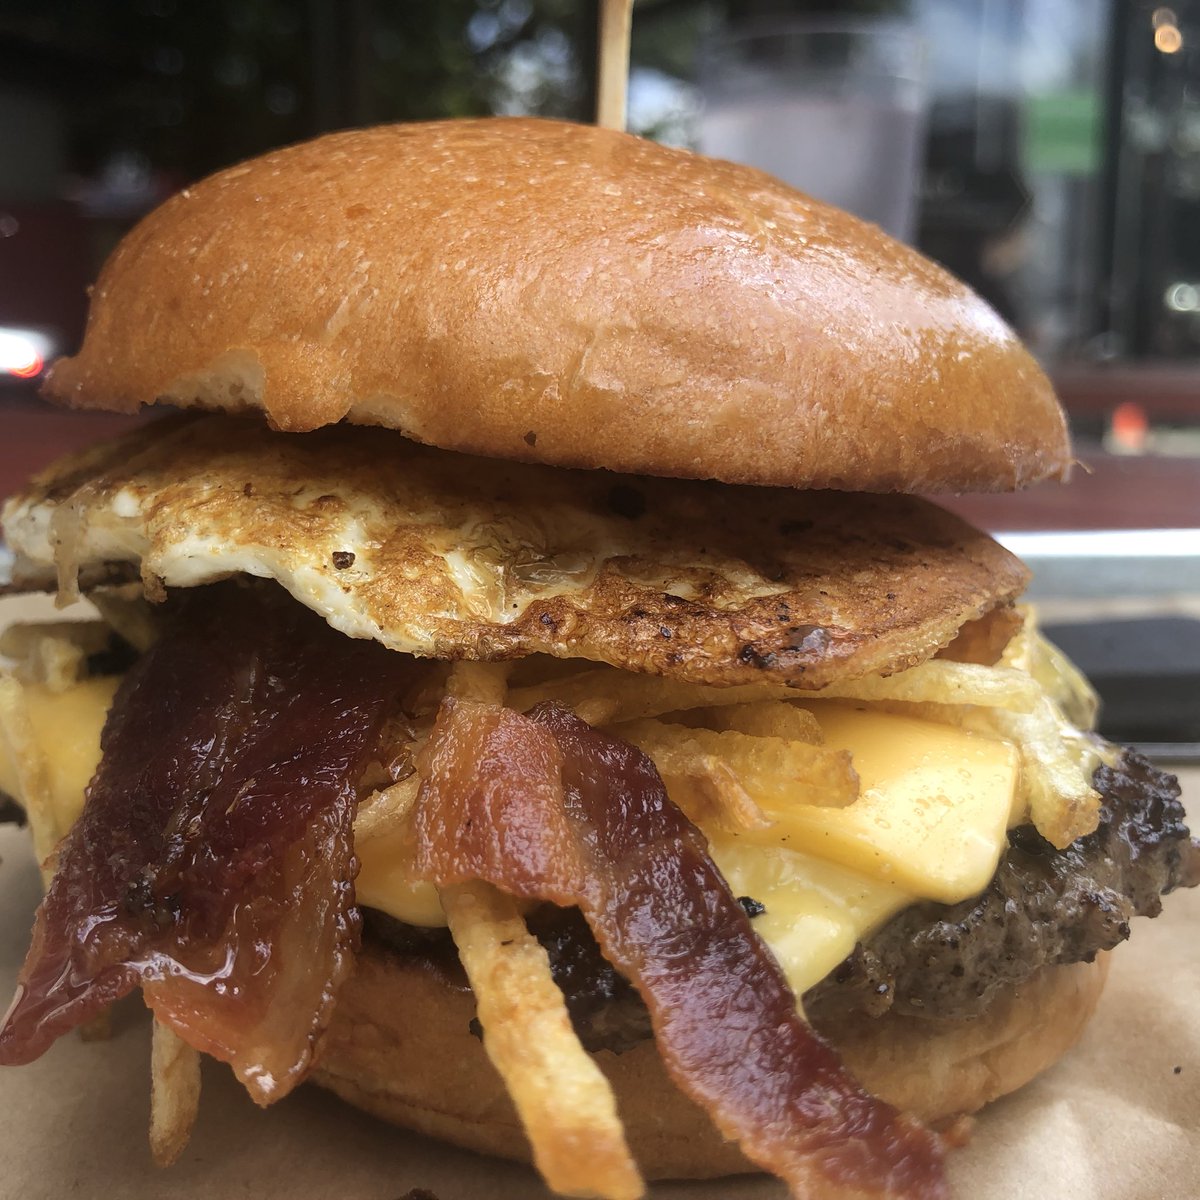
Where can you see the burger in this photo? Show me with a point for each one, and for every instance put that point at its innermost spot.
(530, 696)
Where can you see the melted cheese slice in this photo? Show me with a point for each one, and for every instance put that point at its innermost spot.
(815, 910)
(930, 823)
(66, 726)
(934, 808)
(383, 882)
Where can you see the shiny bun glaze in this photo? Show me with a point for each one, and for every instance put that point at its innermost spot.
(401, 1048)
(568, 295)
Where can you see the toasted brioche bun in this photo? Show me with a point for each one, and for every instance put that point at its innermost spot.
(568, 295)
(400, 1048)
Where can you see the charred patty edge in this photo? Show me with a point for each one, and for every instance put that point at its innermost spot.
(1044, 908)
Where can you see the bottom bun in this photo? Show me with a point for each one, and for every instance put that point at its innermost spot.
(400, 1048)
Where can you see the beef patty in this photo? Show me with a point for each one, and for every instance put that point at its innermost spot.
(1045, 907)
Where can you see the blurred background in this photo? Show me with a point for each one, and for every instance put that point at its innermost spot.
(1046, 151)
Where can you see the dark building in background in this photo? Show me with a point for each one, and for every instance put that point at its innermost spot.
(1151, 243)
(1062, 169)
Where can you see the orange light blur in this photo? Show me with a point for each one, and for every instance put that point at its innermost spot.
(1130, 427)
(30, 369)
(1168, 39)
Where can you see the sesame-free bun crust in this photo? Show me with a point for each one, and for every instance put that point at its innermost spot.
(568, 295)
(400, 1048)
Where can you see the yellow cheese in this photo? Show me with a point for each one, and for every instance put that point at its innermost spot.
(66, 726)
(934, 807)
(930, 822)
(383, 883)
(815, 911)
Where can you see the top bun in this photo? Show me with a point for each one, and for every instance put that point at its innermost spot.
(567, 295)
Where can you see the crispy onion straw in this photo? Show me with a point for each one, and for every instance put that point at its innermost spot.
(174, 1094)
(564, 1101)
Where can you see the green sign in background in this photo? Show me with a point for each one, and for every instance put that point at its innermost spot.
(1062, 132)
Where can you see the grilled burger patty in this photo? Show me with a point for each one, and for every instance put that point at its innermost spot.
(1044, 907)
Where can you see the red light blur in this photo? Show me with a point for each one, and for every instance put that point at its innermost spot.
(30, 369)
(1130, 427)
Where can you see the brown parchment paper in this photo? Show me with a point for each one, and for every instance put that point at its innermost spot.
(1119, 1119)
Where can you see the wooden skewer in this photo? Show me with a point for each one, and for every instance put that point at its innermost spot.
(616, 18)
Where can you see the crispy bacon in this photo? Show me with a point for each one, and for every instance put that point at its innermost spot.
(213, 862)
(547, 808)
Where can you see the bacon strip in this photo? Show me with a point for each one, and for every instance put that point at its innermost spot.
(546, 808)
(213, 862)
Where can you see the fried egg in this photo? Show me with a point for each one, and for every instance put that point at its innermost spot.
(441, 554)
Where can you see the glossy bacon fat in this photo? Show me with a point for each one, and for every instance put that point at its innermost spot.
(213, 863)
(547, 808)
